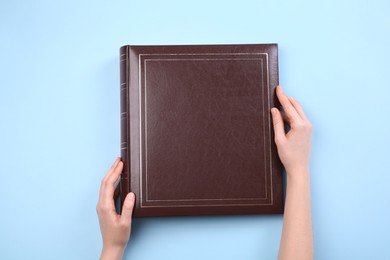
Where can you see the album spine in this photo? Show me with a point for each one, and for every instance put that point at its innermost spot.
(124, 122)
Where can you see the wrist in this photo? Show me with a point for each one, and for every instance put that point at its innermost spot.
(112, 253)
(298, 174)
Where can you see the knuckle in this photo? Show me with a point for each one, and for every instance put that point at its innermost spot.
(300, 126)
(98, 209)
(278, 140)
(277, 122)
(103, 208)
(306, 126)
(104, 181)
(125, 224)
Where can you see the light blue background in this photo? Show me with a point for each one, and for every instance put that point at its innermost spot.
(59, 111)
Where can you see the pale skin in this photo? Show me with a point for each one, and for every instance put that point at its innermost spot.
(294, 152)
(115, 228)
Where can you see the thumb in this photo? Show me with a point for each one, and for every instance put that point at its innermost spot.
(128, 206)
(278, 124)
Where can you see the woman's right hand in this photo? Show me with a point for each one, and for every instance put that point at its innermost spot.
(293, 146)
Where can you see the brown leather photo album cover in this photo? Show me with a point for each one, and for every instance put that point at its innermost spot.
(196, 129)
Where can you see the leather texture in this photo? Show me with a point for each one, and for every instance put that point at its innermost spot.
(196, 131)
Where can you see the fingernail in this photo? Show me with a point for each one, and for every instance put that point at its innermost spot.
(273, 111)
(131, 195)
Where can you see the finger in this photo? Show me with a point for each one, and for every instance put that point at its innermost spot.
(278, 125)
(111, 170)
(291, 113)
(117, 160)
(116, 172)
(298, 108)
(109, 188)
(104, 180)
(128, 206)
